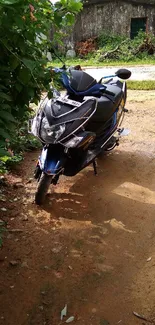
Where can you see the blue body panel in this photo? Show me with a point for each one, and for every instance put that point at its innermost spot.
(50, 164)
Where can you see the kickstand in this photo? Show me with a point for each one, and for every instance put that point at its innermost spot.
(55, 179)
(95, 167)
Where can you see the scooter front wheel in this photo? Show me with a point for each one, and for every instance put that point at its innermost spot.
(42, 189)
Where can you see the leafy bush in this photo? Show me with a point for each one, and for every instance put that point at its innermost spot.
(24, 41)
(114, 47)
(109, 40)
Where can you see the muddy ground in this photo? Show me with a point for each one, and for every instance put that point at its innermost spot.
(92, 245)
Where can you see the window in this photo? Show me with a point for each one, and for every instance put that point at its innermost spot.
(138, 24)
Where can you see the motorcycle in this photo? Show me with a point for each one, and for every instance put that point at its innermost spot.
(75, 128)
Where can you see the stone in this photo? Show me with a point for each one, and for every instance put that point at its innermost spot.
(13, 263)
(46, 267)
(25, 218)
(18, 185)
(2, 198)
(70, 54)
(56, 250)
(30, 180)
(3, 209)
(2, 180)
(24, 264)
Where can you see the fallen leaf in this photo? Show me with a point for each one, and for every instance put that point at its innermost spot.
(141, 317)
(70, 319)
(149, 259)
(64, 312)
(70, 267)
(13, 263)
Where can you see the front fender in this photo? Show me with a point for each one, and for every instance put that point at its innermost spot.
(52, 160)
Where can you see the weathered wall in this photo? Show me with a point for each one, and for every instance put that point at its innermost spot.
(112, 16)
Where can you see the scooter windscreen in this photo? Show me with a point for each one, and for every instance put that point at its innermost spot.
(81, 81)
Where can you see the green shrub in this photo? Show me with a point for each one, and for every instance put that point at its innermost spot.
(24, 41)
(109, 40)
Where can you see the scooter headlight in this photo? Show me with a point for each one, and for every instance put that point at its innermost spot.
(51, 134)
(55, 131)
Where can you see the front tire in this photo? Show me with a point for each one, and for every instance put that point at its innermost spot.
(42, 189)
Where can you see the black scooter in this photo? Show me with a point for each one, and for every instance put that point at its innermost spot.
(76, 127)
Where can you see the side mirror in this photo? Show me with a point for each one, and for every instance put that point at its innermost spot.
(123, 74)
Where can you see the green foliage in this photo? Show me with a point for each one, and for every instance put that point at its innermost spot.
(24, 42)
(20, 141)
(126, 49)
(7, 162)
(109, 40)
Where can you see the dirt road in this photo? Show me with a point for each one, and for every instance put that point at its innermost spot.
(92, 245)
(144, 72)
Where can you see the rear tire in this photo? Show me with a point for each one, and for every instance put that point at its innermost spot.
(42, 189)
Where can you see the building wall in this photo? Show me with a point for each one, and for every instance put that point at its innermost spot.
(113, 17)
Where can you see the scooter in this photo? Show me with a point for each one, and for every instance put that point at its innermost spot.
(77, 127)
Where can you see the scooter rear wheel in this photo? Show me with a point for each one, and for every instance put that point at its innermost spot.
(42, 189)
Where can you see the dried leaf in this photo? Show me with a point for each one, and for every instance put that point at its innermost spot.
(142, 317)
(149, 259)
(63, 312)
(70, 319)
(15, 230)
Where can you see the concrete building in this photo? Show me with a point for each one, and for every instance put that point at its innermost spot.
(123, 17)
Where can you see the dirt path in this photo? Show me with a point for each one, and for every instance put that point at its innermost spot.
(144, 72)
(92, 245)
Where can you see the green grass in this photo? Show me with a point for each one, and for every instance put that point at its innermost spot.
(94, 63)
(141, 85)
